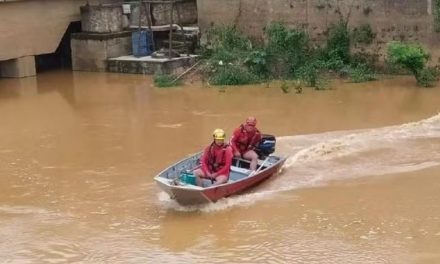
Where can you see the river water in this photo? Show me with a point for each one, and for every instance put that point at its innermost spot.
(78, 153)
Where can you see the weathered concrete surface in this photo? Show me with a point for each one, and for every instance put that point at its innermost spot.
(17, 68)
(101, 19)
(187, 12)
(91, 51)
(161, 14)
(36, 27)
(149, 65)
(409, 20)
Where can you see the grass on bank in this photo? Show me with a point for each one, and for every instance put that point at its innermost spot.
(165, 81)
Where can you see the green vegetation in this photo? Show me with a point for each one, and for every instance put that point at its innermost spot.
(413, 58)
(288, 54)
(363, 34)
(338, 46)
(232, 75)
(285, 87)
(231, 59)
(164, 80)
(287, 50)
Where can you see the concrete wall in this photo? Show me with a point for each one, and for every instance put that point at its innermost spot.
(103, 19)
(161, 14)
(408, 20)
(91, 51)
(30, 28)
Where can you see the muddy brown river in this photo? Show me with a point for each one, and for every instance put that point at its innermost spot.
(78, 153)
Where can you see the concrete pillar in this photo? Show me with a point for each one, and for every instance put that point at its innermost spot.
(19, 67)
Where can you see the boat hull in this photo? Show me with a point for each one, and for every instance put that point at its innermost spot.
(191, 195)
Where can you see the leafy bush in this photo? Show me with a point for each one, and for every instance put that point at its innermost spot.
(365, 58)
(227, 38)
(338, 43)
(232, 75)
(311, 74)
(285, 87)
(427, 76)
(226, 44)
(410, 56)
(414, 58)
(363, 34)
(163, 80)
(361, 73)
(287, 49)
(257, 62)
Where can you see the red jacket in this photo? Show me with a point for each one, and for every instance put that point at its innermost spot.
(217, 159)
(242, 140)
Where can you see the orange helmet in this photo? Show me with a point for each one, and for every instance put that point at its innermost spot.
(251, 121)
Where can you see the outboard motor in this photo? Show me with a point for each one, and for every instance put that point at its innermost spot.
(266, 146)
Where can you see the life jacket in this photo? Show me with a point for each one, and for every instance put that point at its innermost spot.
(213, 162)
(244, 144)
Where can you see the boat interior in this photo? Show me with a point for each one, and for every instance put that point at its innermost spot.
(239, 170)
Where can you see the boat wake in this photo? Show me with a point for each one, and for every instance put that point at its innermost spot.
(317, 159)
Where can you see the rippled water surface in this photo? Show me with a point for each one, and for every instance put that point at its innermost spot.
(78, 153)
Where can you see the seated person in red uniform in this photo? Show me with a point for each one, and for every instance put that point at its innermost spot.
(215, 161)
(244, 141)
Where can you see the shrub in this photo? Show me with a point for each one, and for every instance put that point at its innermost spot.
(257, 62)
(361, 73)
(414, 58)
(338, 43)
(311, 74)
(363, 34)
(287, 49)
(163, 80)
(410, 56)
(232, 75)
(427, 76)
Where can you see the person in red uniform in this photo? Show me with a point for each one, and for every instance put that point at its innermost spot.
(216, 161)
(245, 139)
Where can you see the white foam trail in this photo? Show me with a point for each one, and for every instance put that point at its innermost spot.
(362, 140)
(243, 200)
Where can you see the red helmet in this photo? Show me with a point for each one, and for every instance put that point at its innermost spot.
(251, 121)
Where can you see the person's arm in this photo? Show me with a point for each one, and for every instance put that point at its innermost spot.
(204, 160)
(233, 141)
(255, 141)
(228, 162)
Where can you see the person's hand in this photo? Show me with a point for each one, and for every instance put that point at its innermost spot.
(237, 153)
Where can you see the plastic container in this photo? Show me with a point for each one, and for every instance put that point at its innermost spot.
(141, 43)
(188, 178)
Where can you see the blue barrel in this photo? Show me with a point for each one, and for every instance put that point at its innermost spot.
(141, 43)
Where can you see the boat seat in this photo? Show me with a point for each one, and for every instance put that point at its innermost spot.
(240, 170)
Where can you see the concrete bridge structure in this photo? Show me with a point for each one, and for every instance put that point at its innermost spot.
(32, 28)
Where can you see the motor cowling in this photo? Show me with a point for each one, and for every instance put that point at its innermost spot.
(266, 146)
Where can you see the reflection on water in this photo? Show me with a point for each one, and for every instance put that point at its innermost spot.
(78, 152)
